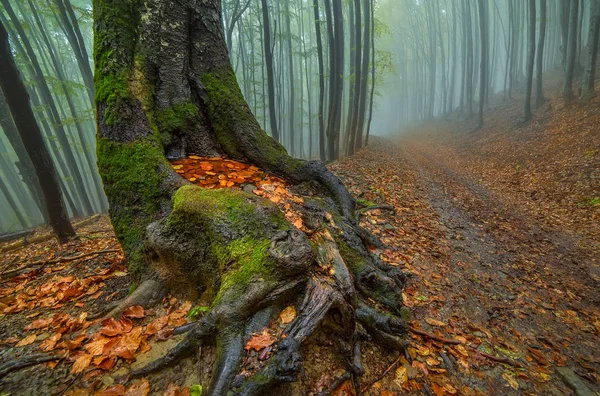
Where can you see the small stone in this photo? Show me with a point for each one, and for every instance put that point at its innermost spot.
(479, 334)
(249, 188)
(574, 381)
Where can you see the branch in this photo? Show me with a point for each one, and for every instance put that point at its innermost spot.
(433, 337)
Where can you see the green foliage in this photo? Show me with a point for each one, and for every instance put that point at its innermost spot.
(196, 390)
(198, 310)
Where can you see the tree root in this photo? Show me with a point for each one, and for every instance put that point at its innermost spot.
(149, 293)
(28, 361)
(338, 290)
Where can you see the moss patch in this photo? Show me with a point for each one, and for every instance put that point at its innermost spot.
(132, 183)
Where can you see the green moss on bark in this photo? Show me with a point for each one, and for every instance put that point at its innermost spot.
(114, 47)
(132, 181)
(233, 231)
(178, 118)
(228, 111)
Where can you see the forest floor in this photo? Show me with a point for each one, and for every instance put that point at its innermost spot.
(500, 229)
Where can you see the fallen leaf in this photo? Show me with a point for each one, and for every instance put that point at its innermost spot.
(141, 388)
(116, 390)
(260, 341)
(434, 322)
(401, 376)
(135, 311)
(30, 339)
(81, 363)
(156, 325)
(287, 315)
(112, 327)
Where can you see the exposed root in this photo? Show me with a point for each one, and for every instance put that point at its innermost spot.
(28, 361)
(147, 294)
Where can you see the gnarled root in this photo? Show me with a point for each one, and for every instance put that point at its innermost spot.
(343, 286)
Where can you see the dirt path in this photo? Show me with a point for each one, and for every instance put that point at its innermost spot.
(494, 275)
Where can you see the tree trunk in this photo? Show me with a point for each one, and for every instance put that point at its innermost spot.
(483, 73)
(322, 152)
(539, 93)
(527, 114)
(270, 77)
(232, 247)
(568, 93)
(589, 75)
(364, 75)
(31, 136)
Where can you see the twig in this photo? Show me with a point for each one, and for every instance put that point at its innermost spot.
(499, 359)
(26, 362)
(387, 370)
(456, 342)
(434, 337)
(16, 272)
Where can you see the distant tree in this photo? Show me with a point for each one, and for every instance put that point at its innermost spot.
(589, 76)
(539, 94)
(18, 101)
(527, 114)
(568, 93)
(483, 73)
(268, 49)
(319, 39)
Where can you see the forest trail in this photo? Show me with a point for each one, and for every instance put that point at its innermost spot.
(486, 271)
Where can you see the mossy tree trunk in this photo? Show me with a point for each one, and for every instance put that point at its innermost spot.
(165, 89)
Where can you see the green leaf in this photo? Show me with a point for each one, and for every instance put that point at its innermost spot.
(196, 390)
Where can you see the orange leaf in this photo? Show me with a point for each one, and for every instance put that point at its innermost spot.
(112, 327)
(156, 325)
(30, 339)
(260, 341)
(82, 362)
(50, 343)
(96, 347)
(135, 311)
(117, 390)
(141, 388)
(39, 324)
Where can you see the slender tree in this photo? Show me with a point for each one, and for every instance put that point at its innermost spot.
(589, 75)
(527, 114)
(483, 72)
(268, 50)
(539, 93)
(568, 93)
(31, 136)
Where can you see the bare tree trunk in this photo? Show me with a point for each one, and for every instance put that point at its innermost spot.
(31, 136)
(539, 93)
(589, 76)
(483, 73)
(269, 62)
(568, 93)
(527, 114)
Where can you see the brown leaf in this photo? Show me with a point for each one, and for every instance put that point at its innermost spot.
(156, 325)
(260, 341)
(141, 388)
(39, 324)
(50, 343)
(116, 390)
(30, 339)
(81, 363)
(135, 311)
(434, 322)
(112, 327)
(96, 347)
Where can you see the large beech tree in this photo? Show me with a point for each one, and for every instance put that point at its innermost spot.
(165, 89)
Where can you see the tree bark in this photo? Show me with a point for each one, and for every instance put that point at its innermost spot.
(322, 152)
(31, 136)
